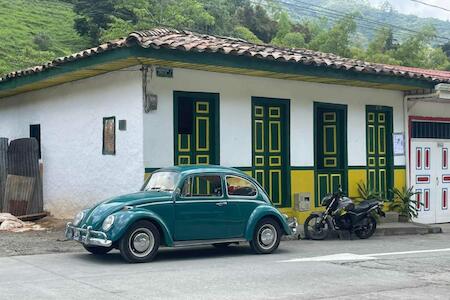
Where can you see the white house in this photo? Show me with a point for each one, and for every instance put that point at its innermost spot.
(301, 122)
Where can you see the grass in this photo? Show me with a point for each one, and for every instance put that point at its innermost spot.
(22, 20)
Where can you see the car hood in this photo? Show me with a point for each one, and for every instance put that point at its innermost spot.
(98, 213)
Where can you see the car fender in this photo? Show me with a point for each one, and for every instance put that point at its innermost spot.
(125, 218)
(261, 212)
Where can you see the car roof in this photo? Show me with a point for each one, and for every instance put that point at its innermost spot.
(194, 169)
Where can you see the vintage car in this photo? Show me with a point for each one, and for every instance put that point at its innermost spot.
(183, 206)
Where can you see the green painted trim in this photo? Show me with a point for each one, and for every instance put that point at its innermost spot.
(151, 170)
(252, 63)
(214, 98)
(389, 128)
(357, 167)
(286, 153)
(335, 106)
(66, 68)
(244, 169)
(293, 168)
(213, 59)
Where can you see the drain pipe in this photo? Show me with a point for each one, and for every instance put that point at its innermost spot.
(406, 99)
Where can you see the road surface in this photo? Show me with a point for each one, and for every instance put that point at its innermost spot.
(396, 267)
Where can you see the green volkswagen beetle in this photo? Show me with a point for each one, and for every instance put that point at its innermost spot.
(183, 206)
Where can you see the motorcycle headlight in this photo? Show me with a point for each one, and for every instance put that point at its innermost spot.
(108, 222)
(78, 218)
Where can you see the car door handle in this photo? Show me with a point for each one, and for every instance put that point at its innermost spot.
(223, 203)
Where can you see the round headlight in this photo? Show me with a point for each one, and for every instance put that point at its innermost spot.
(78, 218)
(108, 222)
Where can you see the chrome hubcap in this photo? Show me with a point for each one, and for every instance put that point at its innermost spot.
(142, 242)
(267, 236)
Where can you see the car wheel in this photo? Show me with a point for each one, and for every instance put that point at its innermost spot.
(140, 242)
(97, 250)
(266, 237)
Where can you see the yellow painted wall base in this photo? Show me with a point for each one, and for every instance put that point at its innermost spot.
(303, 181)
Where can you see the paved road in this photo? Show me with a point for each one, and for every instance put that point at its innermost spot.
(382, 267)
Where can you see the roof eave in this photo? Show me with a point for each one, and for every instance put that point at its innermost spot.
(122, 57)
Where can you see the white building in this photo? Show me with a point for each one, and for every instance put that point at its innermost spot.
(301, 122)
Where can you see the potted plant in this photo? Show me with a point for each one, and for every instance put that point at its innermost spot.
(365, 193)
(404, 204)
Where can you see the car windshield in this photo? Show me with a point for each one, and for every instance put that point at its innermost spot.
(162, 181)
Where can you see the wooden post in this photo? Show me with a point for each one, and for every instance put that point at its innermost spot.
(3, 169)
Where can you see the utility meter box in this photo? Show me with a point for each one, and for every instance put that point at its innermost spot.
(302, 201)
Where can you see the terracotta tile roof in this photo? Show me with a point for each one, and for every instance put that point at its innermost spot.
(187, 41)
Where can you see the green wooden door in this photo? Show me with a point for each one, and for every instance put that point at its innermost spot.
(379, 149)
(330, 148)
(270, 131)
(196, 128)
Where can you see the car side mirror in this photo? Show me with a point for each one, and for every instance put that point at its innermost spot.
(177, 192)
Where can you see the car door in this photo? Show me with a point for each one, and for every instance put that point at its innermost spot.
(201, 209)
(242, 201)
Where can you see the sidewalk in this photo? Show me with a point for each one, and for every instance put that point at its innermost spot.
(388, 229)
(410, 228)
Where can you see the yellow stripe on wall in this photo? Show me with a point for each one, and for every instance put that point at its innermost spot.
(400, 178)
(355, 176)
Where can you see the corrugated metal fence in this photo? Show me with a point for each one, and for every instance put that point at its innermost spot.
(22, 187)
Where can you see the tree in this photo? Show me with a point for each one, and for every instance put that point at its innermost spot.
(258, 21)
(245, 33)
(413, 51)
(337, 38)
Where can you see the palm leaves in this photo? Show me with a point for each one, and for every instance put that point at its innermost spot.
(403, 204)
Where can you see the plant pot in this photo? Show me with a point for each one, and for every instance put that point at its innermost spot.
(403, 219)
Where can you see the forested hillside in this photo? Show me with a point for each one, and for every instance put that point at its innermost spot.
(34, 31)
(370, 17)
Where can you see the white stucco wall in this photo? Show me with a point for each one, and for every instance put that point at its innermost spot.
(236, 92)
(429, 109)
(76, 174)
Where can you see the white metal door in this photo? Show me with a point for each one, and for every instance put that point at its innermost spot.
(443, 182)
(430, 177)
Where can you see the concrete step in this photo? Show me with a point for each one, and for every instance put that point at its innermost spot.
(406, 228)
(383, 229)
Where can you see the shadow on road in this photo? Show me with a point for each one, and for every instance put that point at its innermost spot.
(177, 254)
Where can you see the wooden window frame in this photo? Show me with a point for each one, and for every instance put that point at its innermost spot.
(104, 150)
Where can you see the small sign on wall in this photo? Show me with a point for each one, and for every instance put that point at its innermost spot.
(399, 143)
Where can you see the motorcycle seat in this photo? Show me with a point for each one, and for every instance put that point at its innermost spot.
(365, 205)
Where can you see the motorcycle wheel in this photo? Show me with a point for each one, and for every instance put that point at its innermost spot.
(314, 230)
(368, 229)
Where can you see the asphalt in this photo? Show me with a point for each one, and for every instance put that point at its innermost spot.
(381, 267)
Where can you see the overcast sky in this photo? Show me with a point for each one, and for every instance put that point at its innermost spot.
(414, 8)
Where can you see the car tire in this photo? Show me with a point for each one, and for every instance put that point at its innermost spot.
(266, 237)
(140, 242)
(97, 250)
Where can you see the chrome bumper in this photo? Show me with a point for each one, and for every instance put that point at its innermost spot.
(87, 236)
(293, 224)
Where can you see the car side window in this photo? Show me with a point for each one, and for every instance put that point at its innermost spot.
(202, 186)
(238, 186)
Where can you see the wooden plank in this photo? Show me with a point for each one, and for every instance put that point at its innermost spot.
(18, 194)
(3, 168)
(33, 217)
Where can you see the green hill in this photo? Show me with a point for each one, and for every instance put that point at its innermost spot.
(34, 31)
(370, 18)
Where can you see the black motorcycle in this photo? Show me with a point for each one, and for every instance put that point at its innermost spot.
(342, 214)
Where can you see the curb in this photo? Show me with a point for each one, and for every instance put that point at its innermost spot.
(382, 230)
